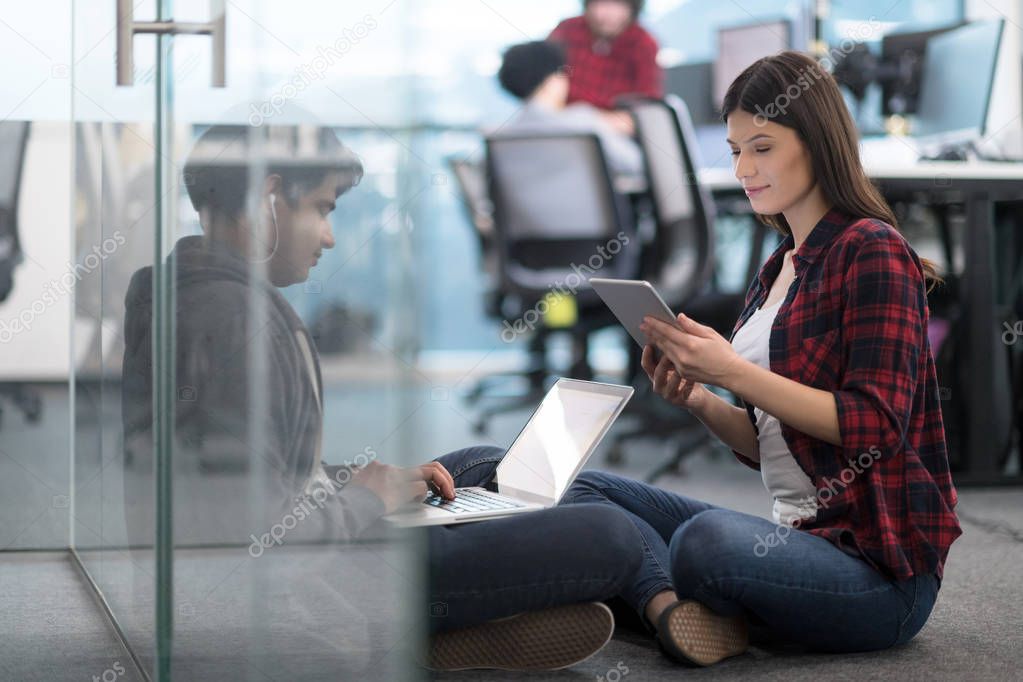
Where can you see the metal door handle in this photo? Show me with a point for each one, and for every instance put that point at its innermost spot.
(127, 27)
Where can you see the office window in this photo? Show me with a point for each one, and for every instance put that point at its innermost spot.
(846, 16)
(687, 31)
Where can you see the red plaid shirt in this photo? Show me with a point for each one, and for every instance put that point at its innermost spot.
(628, 68)
(856, 325)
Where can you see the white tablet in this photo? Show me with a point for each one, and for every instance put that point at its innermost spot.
(631, 300)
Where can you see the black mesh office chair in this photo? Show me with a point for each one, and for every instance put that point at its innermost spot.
(680, 263)
(555, 210)
(13, 142)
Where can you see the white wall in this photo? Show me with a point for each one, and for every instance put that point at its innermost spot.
(34, 340)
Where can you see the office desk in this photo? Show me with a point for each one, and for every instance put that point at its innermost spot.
(939, 175)
(978, 186)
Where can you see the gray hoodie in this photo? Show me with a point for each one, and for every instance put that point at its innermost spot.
(248, 421)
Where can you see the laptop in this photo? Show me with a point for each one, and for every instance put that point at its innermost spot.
(545, 458)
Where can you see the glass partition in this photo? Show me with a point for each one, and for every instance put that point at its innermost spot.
(232, 383)
(115, 218)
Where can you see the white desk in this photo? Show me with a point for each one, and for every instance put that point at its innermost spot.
(940, 173)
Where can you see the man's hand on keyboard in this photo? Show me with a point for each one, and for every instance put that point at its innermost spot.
(438, 479)
(397, 487)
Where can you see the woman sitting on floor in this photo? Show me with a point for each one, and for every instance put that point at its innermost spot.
(832, 362)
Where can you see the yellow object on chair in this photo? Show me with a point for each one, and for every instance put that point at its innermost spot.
(561, 311)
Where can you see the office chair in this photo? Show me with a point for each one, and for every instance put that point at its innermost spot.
(555, 209)
(680, 263)
(13, 142)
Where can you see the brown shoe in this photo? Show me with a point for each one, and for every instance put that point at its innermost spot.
(693, 633)
(541, 640)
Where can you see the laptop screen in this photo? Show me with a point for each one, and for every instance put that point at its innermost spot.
(561, 434)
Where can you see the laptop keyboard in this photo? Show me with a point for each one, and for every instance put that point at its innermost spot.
(469, 501)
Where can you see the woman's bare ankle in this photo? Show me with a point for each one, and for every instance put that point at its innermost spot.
(660, 601)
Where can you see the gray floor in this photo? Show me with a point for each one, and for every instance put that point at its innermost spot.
(50, 629)
(34, 468)
(975, 631)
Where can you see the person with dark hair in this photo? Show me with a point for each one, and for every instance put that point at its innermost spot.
(250, 398)
(832, 363)
(220, 279)
(535, 73)
(609, 56)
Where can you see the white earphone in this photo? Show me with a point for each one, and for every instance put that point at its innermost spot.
(277, 234)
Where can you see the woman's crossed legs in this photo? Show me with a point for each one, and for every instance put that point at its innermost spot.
(790, 585)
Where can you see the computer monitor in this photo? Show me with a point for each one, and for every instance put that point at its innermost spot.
(958, 74)
(740, 46)
(900, 68)
(692, 82)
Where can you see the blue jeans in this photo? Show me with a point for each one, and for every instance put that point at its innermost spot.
(491, 569)
(792, 586)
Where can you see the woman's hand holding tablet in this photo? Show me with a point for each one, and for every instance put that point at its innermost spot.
(689, 352)
(631, 300)
(670, 385)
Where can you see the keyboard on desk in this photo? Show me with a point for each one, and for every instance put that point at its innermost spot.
(470, 501)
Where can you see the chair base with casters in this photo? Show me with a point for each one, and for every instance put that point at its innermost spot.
(538, 372)
(685, 431)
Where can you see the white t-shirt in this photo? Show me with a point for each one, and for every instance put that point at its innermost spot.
(793, 491)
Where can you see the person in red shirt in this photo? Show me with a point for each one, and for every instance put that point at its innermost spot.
(841, 412)
(609, 56)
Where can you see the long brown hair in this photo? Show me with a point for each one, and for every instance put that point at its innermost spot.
(791, 89)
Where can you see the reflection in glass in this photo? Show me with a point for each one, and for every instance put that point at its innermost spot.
(264, 578)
